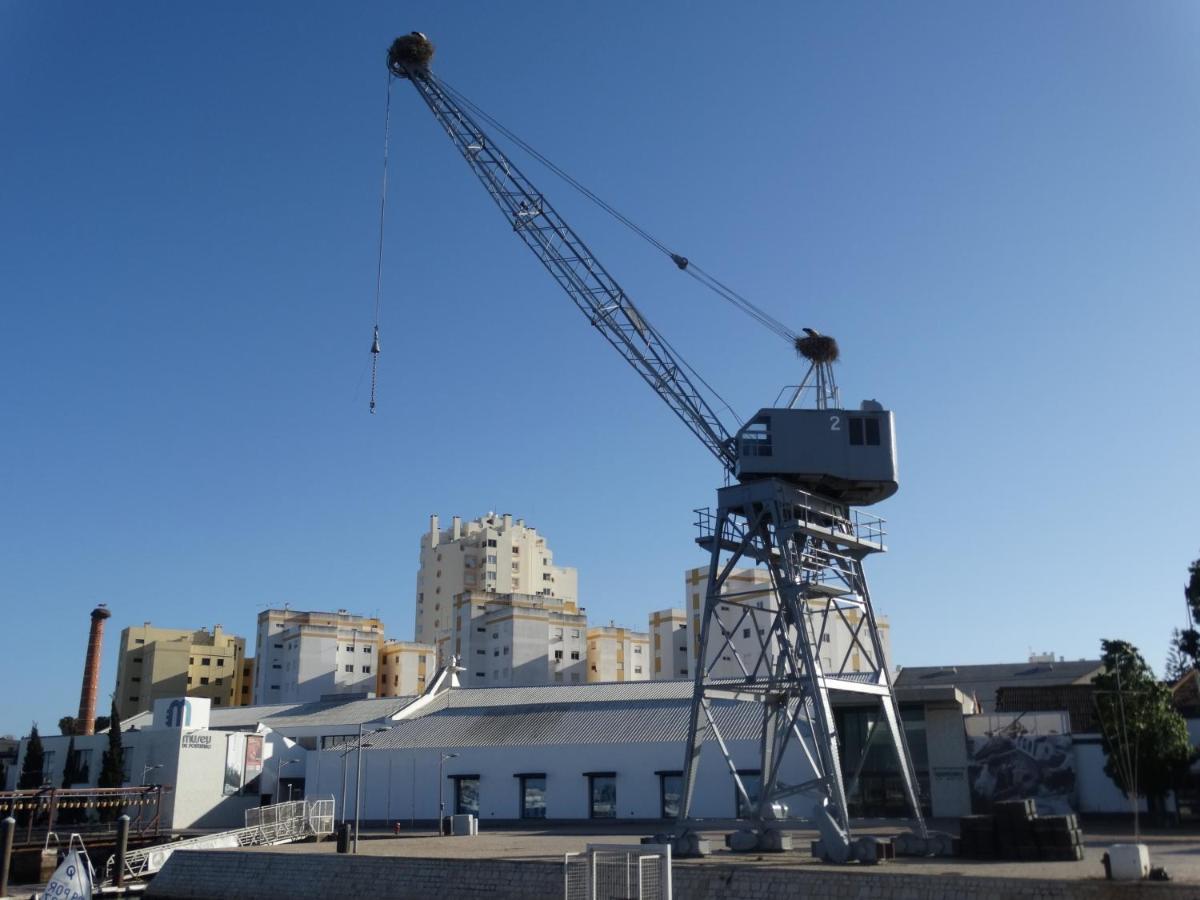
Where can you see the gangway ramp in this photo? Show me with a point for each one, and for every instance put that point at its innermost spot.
(280, 823)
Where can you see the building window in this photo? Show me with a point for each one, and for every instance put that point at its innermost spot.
(745, 632)
(140, 641)
(276, 665)
(466, 795)
(366, 649)
(135, 678)
(191, 660)
(752, 782)
(637, 648)
(864, 431)
(133, 699)
(602, 795)
(349, 668)
(558, 654)
(216, 701)
(574, 654)
(220, 662)
(204, 679)
(491, 542)
(637, 670)
(533, 796)
(574, 676)
(366, 670)
(670, 793)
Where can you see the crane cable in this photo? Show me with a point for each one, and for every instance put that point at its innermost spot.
(682, 262)
(375, 349)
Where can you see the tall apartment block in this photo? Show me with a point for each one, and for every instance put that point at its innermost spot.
(746, 618)
(303, 656)
(669, 644)
(516, 639)
(491, 554)
(169, 662)
(405, 668)
(615, 653)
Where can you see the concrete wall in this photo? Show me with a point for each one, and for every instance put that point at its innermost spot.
(398, 785)
(212, 874)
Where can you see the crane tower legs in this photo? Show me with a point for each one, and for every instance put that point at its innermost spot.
(788, 644)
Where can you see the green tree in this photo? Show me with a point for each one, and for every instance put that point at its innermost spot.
(112, 764)
(71, 776)
(1189, 638)
(1145, 740)
(1179, 660)
(66, 725)
(71, 766)
(35, 761)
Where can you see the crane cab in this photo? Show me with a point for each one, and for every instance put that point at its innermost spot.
(846, 455)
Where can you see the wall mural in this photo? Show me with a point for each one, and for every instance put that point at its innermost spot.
(1014, 759)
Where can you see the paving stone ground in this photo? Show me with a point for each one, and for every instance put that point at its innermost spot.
(1177, 850)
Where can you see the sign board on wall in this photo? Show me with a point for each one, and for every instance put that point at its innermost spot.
(253, 764)
(182, 712)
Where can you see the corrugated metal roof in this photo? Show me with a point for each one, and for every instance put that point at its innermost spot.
(569, 722)
(595, 692)
(294, 715)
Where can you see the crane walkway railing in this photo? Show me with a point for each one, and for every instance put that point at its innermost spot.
(280, 823)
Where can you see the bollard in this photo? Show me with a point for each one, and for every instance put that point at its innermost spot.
(122, 849)
(7, 828)
(343, 838)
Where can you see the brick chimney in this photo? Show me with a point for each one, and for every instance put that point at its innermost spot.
(86, 722)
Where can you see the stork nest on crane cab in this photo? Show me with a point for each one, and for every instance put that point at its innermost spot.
(817, 348)
(410, 53)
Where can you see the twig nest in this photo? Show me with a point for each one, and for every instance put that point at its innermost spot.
(817, 348)
(410, 53)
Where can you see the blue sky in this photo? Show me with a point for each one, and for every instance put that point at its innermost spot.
(995, 208)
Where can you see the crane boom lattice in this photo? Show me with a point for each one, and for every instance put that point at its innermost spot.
(576, 269)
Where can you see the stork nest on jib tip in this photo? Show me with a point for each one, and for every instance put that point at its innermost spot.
(817, 348)
(409, 53)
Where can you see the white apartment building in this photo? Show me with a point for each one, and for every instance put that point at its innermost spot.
(750, 589)
(303, 656)
(615, 653)
(491, 554)
(517, 639)
(669, 644)
(405, 668)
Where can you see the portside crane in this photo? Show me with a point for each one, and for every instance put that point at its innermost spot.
(799, 476)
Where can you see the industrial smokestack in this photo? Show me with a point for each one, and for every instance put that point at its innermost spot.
(86, 722)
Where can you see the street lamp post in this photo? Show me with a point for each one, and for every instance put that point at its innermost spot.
(360, 746)
(442, 757)
(146, 770)
(278, 774)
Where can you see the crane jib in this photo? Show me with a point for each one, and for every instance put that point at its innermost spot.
(564, 254)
